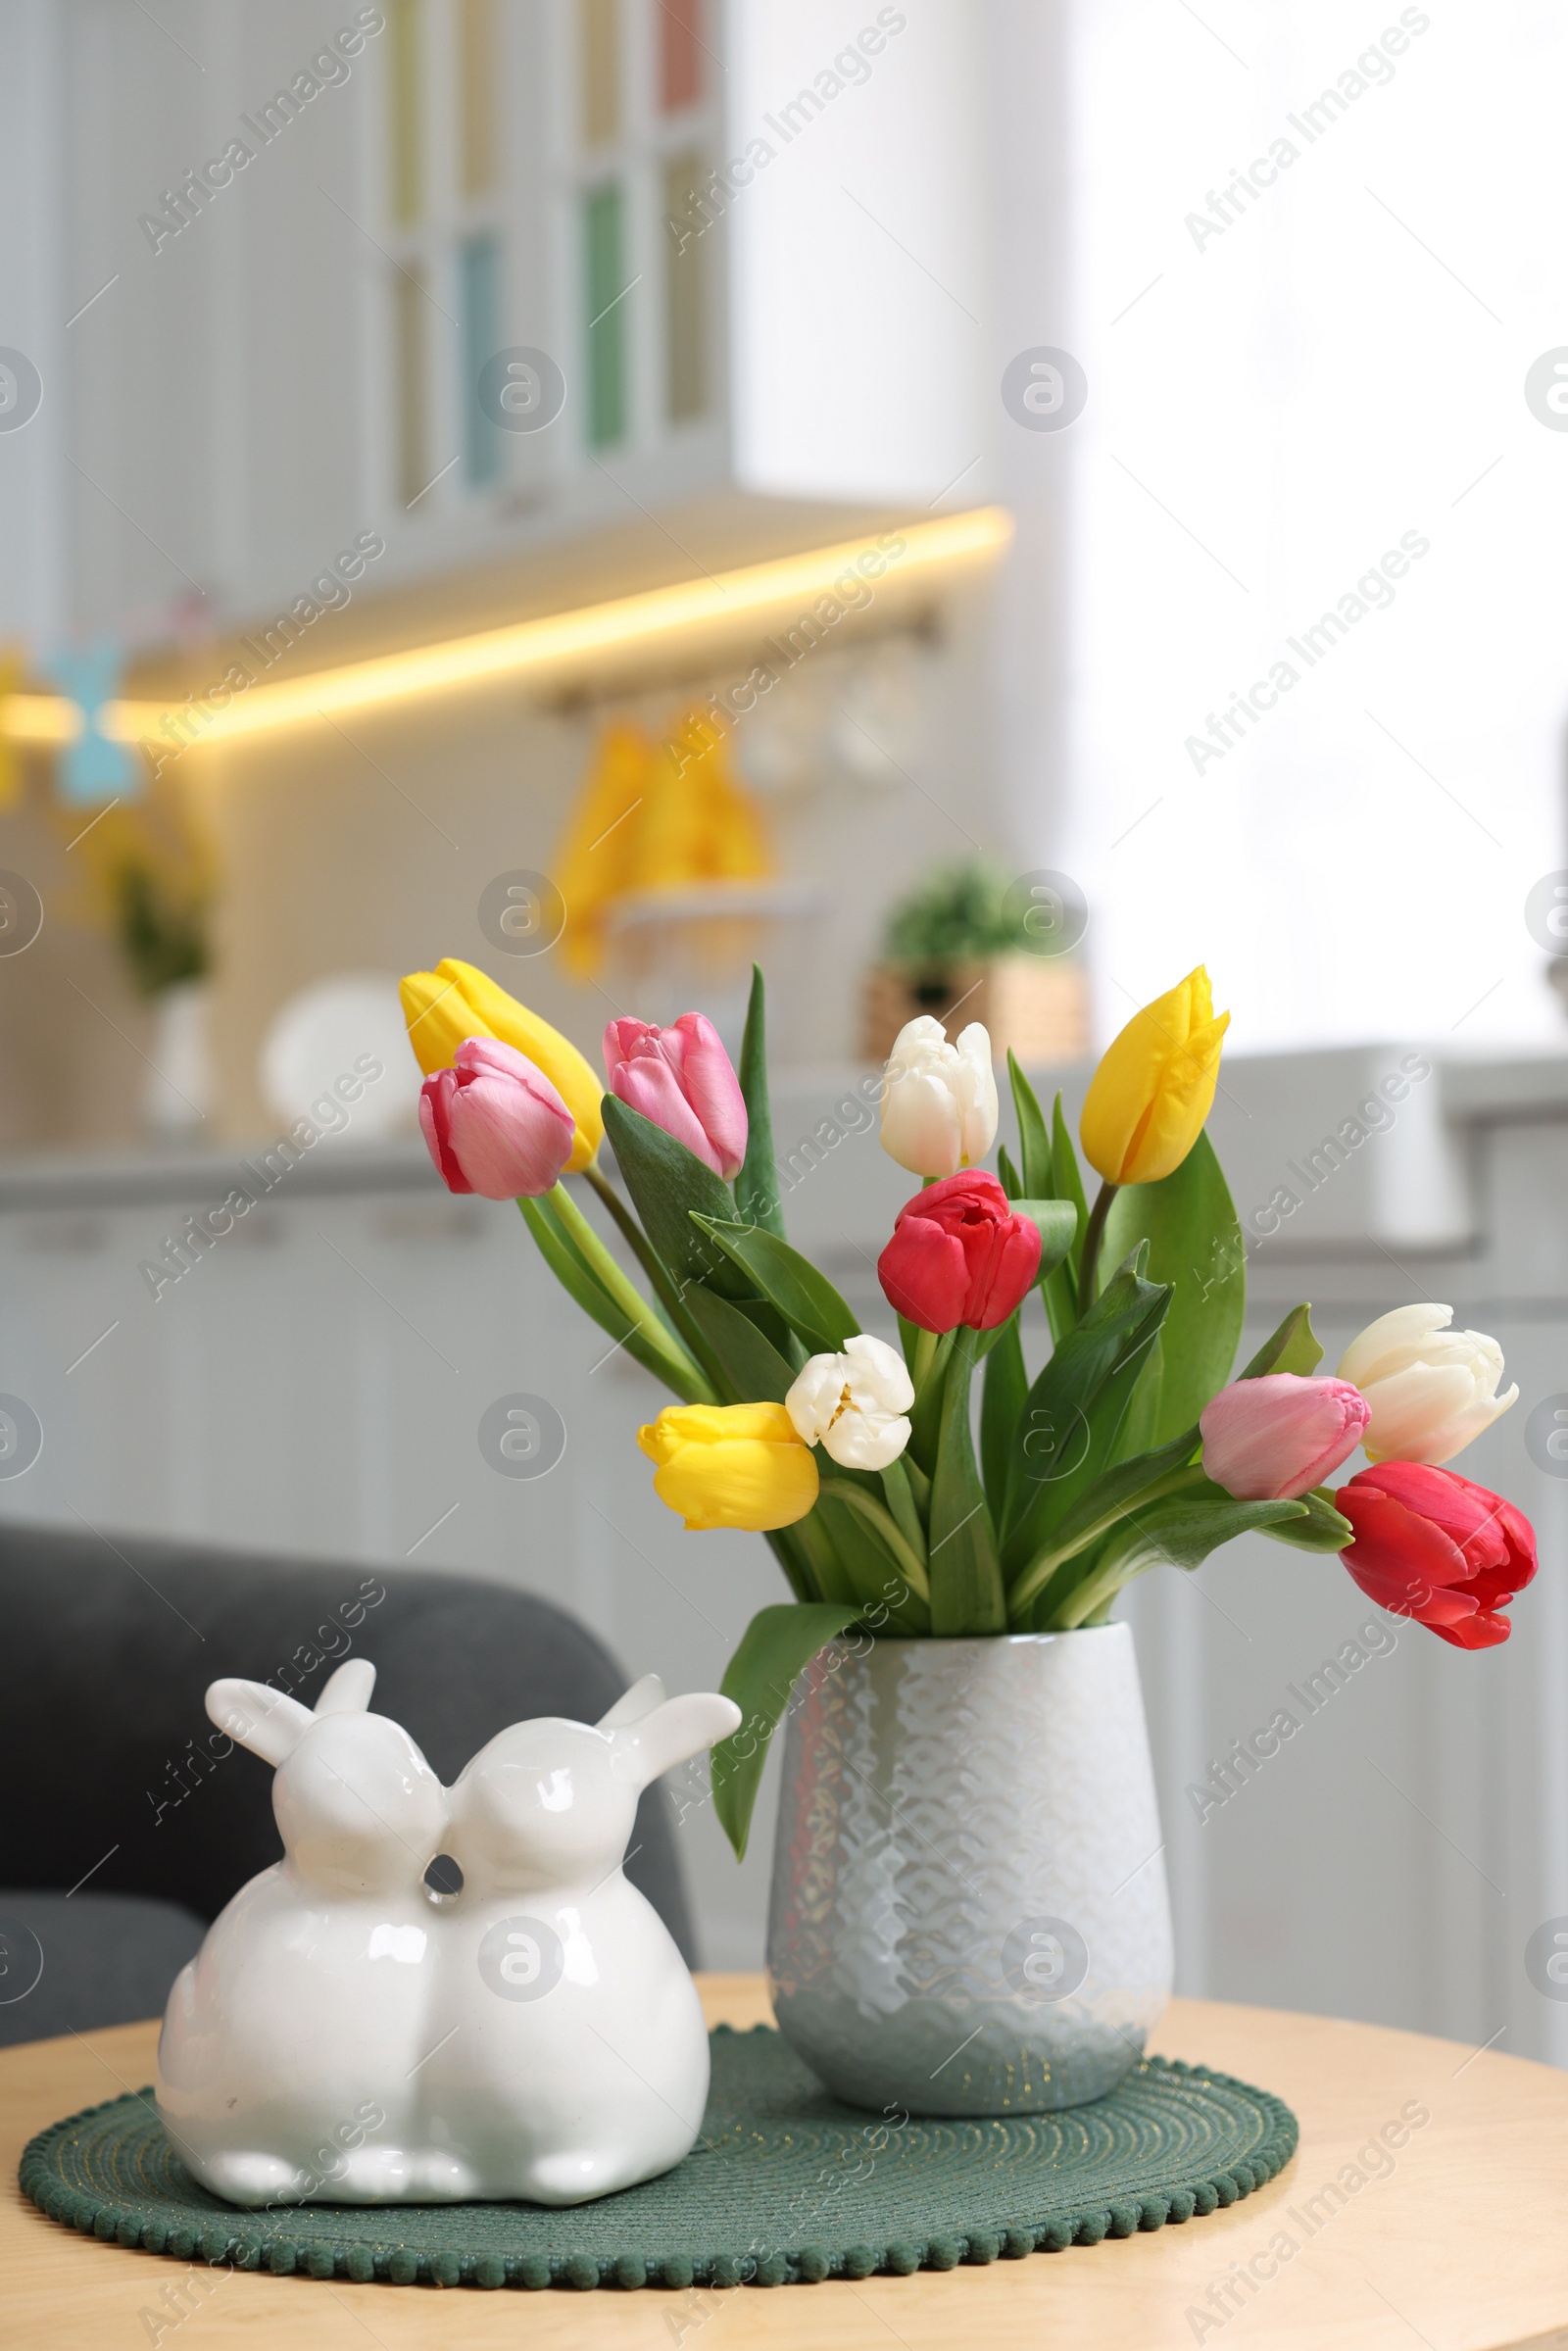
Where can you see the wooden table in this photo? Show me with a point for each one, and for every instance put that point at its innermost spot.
(1461, 2245)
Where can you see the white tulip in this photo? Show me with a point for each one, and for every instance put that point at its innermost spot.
(854, 1404)
(1431, 1389)
(939, 1100)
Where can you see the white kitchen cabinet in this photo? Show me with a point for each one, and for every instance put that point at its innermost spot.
(272, 251)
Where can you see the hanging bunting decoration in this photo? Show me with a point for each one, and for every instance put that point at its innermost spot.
(94, 766)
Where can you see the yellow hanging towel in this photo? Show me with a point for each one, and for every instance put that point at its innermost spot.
(13, 669)
(594, 862)
(654, 819)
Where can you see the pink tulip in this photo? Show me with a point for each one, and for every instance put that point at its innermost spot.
(1270, 1440)
(681, 1079)
(495, 1124)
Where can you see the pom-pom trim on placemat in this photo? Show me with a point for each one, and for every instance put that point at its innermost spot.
(785, 2188)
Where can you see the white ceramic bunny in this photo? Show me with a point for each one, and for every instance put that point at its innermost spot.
(287, 2063)
(345, 2034)
(572, 2056)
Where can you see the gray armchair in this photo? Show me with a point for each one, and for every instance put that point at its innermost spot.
(128, 1826)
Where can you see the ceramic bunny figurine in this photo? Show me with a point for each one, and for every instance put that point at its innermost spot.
(345, 2034)
(286, 2066)
(571, 2055)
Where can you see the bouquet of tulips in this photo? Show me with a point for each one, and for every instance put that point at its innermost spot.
(858, 1461)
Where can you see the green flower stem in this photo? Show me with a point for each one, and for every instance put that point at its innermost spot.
(1094, 1234)
(816, 1545)
(683, 1374)
(794, 1560)
(925, 1354)
(903, 1504)
(1039, 1572)
(588, 1244)
(840, 1490)
(1125, 1559)
(925, 1414)
(628, 1224)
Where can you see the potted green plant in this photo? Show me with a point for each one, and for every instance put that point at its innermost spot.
(150, 882)
(970, 935)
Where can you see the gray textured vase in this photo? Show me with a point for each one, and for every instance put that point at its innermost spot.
(968, 1911)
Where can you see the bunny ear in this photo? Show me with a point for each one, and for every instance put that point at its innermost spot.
(679, 1729)
(348, 1691)
(642, 1698)
(263, 1720)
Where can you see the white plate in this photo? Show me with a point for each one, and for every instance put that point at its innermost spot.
(338, 1030)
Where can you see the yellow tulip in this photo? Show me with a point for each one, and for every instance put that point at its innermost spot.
(454, 1001)
(731, 1465)
(1154, 1088)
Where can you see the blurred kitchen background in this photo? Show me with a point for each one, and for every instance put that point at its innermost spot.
(970, 502)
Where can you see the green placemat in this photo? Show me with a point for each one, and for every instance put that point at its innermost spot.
(786, 2186)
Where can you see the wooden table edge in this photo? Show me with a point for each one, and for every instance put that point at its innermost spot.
(43, 2081)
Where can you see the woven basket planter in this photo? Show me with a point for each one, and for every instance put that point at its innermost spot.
(1036, 1006)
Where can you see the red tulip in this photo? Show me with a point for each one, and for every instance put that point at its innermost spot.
(494, 1123)
(682, 1079)
(1431, 1545)
(958, 1254)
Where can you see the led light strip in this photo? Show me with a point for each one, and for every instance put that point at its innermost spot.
(552, 642)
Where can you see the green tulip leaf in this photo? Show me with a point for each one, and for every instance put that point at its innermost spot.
(776, 1648)
(967, 1594)
(756, 1184)
(1011, 1181)
(925, 1414)
(752, 1369)
(650, 1342)
(1112, 1496)
(870, 1565)
(1180, 1531)
(1071, 1422)
(1293, 1348)
(1138, 1430)
(795, 1561)
(774, 1329)
(809, 1542)
(1060, 1291)
(1049, 1172)
(1195, 1245)
(807, 1298)
(1056, 1223)
(904, 1504)
(1065, 1181)
(668, 1184)
(1001, 1401)
(1324, 1528)
(1034, 1139)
